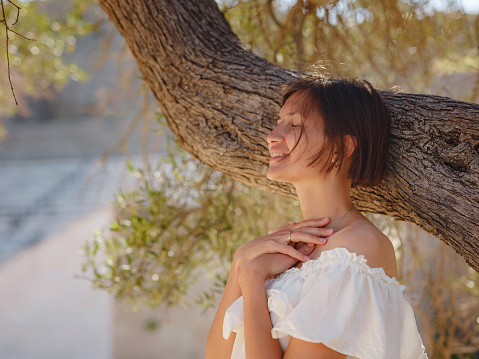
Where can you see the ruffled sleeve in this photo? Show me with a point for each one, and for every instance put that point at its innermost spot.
(233, 321)
(349, 307)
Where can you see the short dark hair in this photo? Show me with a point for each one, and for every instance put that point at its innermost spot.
(346, 106)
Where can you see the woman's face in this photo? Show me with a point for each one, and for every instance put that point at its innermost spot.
(283, 138)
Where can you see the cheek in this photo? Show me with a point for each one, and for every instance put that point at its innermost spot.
(306, 142)
(310, 145)
(296, 138)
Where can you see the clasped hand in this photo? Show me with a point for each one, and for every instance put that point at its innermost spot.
(267, 256)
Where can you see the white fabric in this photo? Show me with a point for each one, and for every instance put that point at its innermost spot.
(337, 300)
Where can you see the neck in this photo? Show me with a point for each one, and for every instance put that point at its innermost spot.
(325, 198)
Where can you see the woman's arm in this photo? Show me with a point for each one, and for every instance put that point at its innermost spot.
(277, 242)
(216, 346)
(301, 349)
(259, 342)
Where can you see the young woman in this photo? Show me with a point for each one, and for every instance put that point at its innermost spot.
(325, 287)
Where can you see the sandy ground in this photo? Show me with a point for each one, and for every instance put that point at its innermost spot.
(45, 312)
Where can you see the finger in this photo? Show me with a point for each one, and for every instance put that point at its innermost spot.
(289, 225)
(320, 232)
(305, 248)
(290, 251)
(317, 222)
(297, 245)
(300, 236)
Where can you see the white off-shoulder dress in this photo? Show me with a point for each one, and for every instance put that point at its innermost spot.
(337, 300)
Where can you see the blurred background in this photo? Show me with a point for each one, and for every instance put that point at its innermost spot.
(114, 243)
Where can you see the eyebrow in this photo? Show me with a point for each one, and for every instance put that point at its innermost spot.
(288, 114)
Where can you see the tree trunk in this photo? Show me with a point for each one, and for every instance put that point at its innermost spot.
(220, 100)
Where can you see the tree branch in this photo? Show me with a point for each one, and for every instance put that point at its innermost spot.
(220, 100)
(7, 29)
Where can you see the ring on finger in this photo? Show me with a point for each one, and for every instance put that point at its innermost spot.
(289, 235)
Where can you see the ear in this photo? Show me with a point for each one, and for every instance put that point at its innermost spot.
(350, 143)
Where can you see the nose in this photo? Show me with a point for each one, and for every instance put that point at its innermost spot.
(275, 136)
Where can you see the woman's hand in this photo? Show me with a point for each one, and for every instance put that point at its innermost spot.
(281, 242)
(269, 265)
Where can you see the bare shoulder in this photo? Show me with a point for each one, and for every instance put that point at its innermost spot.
(365, 239)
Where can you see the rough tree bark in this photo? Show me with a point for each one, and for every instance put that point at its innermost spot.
(220, 100)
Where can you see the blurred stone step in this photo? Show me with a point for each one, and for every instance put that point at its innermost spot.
(41, 197)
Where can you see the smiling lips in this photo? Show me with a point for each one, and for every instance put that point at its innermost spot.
(276, 155)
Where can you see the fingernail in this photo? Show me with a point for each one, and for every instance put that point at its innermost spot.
(329, 230)
(323, 241)
(309, 245)
(306, 258)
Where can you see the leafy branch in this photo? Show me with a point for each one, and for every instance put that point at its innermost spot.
(7, 29)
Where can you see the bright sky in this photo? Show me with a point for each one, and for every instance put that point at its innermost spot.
(469, 6)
